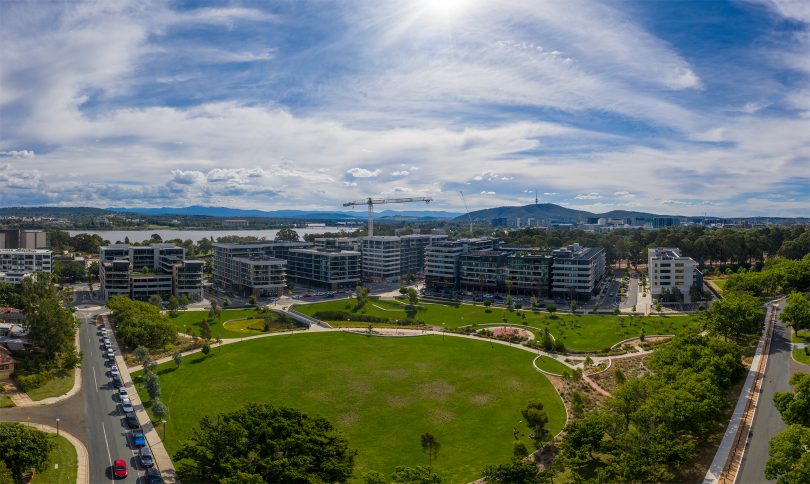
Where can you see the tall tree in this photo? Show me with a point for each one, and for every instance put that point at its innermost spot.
(789, 453)
(738, 313)
(287, 235)
(277, 443)
(797, 312)
(536, 418)
(795, 407)
(430, 446)
(50, 325)
(23, 448)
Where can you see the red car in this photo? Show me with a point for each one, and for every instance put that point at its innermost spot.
(120, 469)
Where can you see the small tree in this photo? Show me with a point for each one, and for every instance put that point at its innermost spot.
(487, 303)
(173, 304)
(205, 330)
(206, 348)
(252, 300)
(536, 418)
(219, 344)
(226, 302)
(153, 387)
(155, 300)
(183, 300)
(141, 355)
(178, 358)
(551, 308)
(519, 450)
(619, 374)
(573, 305)
(23, 448)
(414, 475)
(430, 446)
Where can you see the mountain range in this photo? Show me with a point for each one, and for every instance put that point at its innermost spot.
(541, 211)
(293, 214)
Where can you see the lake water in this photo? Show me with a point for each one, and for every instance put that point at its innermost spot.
(196, 235)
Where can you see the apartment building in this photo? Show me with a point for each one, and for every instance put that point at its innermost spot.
(669, 272)
(142, 271)
(341, 243)
(17, 264)
(443, 261)
(390, 258)
(327, 268)
(577, 271)
(515, 270)
(253, 268)
(23, 239)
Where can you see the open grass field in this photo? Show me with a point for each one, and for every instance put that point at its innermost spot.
(54, 388)
(189, 321)
(551, 365)
(802, 336)
(579, 332)
(62, 463)
(383, 393)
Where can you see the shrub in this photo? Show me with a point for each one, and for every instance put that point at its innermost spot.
(32, 382)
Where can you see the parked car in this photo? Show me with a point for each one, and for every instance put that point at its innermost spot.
(120, 469)
(114, 370)
(132, 420)
(106, 340)
(126, 405)
(146, 457)
(116, 381)
(138, 438)
(122, 392)
(110, 354)
(153, 476)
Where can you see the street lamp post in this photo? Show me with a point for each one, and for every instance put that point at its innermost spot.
(444, 329)
(164, 430)
(57, 427)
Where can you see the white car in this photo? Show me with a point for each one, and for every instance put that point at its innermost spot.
(110, 354)
(122, 392)
(126, 405)
(114, 371)
(106, 340)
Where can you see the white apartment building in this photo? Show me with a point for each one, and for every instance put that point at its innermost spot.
(253, 268)
(577, 271)
(390, 258)
(327, 268)
(668, 271)
(139, 272)
(16, 264)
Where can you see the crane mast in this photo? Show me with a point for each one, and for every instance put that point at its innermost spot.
(370, 202)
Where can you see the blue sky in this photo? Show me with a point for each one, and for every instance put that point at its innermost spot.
(666, 106)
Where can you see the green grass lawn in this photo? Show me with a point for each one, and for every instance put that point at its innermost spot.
(551, 365)
(382, 392)
(188, 321)
(800, 356)
(721, 283)
(802, 336)
(55, 387)
(579, 332)
(62, 463)
(5, 401)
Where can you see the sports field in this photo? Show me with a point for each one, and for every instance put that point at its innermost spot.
(382, 392)
(579, 332)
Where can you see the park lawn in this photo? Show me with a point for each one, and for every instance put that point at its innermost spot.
(579, 332)
(5, 401)
(383, 393)
(800, 356)
(802, 336)
(64, 456)
(256, 325)
(188, 321)
(54, 387)
(551, 365)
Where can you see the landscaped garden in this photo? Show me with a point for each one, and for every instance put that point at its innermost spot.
(579, 332)
(230, 324)
(56, 386)
(800, 355)
(383, 393)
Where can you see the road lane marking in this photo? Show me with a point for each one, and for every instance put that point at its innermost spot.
(109, 455)
(94, 379)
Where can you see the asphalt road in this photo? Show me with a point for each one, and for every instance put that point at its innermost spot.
(106, 429)
(767, 421)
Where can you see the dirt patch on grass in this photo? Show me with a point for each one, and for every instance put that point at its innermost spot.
(228, 385)
(348, 419)
(441, 416)
(632, 367)
(436, 390)
(398, 401)
(514, 384)
(360, 386)
(393, 373)
(423, 365)
(480, 400)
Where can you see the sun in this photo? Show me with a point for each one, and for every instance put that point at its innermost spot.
(446, 8)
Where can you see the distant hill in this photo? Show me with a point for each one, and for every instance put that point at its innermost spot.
(53, 211)
(548, 211)
(290, 214)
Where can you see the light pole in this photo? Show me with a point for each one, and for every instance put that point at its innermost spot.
(164, 430)
(444, 328)
(57, 427)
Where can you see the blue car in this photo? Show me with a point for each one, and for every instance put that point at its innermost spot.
(138, 439)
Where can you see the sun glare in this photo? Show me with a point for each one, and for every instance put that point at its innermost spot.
(446, 8)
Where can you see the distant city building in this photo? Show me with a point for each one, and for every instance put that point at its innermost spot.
(17, 264)
(669, 271)
(577, 271)
(234, 223)
(663, 222)
(327, 268)
(342, 243)
(500, 222)
(390, 258)
(139, 272)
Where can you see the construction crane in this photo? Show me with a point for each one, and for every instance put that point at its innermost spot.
(370, 202)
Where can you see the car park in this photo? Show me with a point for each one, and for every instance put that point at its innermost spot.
(132, 420)
(153, 476)
(146, 457)
(138, 438)
(120, 469)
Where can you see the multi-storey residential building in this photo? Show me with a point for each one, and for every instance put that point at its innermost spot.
(577, 271)
(328, 268)
(516, 270)
(22, 239)
(142, 271)
(390, 258)
(670, 272)
(483, 270)
(16, 264)
(253, 268)
(443, 261)
(341, 243)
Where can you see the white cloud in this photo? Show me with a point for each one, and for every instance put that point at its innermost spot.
(550, 193)
(588, 196)
(17, 154)
(400, 173)
(190, 177)
(623, 195)
(363, 173)
(484, 192)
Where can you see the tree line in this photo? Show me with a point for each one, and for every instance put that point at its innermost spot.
(141, 324)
